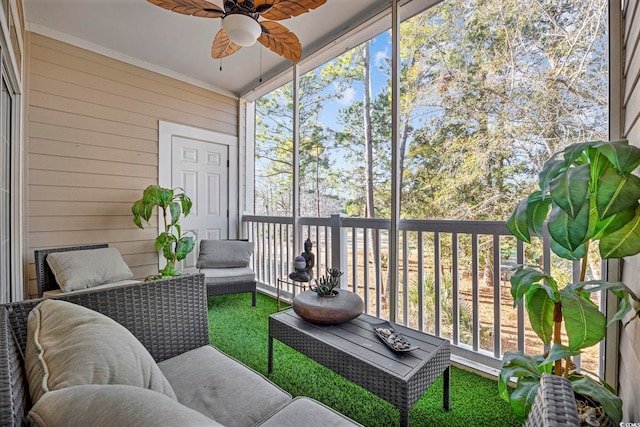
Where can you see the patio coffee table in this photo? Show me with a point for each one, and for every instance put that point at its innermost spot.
(354, 351)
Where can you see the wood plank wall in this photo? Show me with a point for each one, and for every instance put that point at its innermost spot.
(92, 146)
(629, 362)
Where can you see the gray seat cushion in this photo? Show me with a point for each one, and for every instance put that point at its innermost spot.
(113, 405)
(54, 292)
(306, 412)
(220, 387)
(214, 276)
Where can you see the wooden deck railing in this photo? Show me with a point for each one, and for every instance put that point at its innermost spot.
(453, 276)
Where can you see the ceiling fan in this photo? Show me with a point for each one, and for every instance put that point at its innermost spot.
(240, 25)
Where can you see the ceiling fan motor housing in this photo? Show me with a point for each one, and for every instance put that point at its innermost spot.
(242, 29)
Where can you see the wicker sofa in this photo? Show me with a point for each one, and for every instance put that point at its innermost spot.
(169, 318)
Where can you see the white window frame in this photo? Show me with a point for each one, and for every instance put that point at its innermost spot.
(10, 70)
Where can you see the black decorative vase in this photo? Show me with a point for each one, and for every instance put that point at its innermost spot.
(328, 310)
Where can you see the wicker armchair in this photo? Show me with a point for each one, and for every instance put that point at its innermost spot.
(225, 264)
(44, 276)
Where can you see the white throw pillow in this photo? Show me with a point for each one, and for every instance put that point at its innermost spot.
(87, 268)
(70, 345)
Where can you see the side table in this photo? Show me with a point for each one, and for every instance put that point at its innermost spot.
(293, 283)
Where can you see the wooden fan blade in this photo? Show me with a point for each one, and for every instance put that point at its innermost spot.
(222, 46)
(200, 8)
(277, 10)
(279, 39)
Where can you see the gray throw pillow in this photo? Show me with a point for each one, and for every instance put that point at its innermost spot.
(69, 345)
(224, 253)
(87, 268)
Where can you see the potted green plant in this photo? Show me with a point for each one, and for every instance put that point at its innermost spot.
(587, 193)
(175, 245)
(325, 286)
(323, 304)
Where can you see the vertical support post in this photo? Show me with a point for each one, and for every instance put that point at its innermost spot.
(354, 260)
(339, 248)
(612, 269)
(378, 278)
(365, 251)
(282, 260)
(240, 170)
(475, 290)
(405, 279)
(320, 265)
(269, 245)
(420, 281)
(260, 245)
(437, 283)
(249, 159)
(455, 288)
(288, 257)
(252, 237)
(327, 248)
(497, 298)
(295, 211)
(395, 162)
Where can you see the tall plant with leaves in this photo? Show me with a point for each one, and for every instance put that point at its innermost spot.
(175, 245)
(587, 193)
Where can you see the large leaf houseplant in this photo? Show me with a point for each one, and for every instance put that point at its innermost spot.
(173, 244)
(587, 193)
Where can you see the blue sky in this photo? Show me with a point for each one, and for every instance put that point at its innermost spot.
(380, 52)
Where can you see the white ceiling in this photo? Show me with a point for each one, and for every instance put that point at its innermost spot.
(141, 33)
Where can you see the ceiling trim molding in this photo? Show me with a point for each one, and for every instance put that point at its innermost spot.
(66, 38)
(347, 40)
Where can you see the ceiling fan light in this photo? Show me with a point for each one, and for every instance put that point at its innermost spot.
(242, 30)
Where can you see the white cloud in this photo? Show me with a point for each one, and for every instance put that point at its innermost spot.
(346, 95)
(381, 56)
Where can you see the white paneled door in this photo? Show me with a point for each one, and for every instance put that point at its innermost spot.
(197, 161)
(201, 170)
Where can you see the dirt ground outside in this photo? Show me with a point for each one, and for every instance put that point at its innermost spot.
(507, 323)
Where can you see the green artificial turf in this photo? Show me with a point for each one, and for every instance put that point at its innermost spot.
(242, 332)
